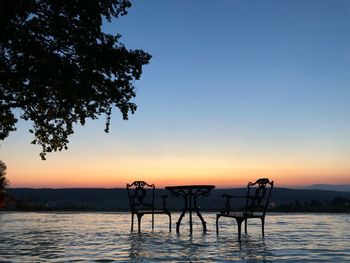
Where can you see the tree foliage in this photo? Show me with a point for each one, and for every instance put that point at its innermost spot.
(58, 68)
(3, 180)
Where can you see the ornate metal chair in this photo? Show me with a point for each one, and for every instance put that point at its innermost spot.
(142, 201)
(256, 203)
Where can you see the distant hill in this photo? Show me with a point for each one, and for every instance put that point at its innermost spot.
(331, 187)
(117, 200)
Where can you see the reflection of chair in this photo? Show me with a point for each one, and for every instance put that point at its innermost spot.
(142, 201)
(256, 202)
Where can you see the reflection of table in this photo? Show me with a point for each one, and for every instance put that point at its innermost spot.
(190, 193)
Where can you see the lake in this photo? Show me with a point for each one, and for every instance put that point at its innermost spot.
(106, 237)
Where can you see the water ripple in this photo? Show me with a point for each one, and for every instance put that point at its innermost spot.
(106, 237)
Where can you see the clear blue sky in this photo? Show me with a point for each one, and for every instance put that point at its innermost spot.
(235, 89)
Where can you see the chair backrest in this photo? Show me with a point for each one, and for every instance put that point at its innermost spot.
(259, 194)
(141, 195)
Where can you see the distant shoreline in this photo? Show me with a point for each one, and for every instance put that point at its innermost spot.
(116, 200)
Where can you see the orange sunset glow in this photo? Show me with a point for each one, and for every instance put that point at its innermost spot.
(175, 170)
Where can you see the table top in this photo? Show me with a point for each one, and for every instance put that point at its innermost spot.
(195, 186)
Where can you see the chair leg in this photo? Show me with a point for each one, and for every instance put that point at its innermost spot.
(132, 222)
(152, 222)
(139, 217)
(263, 226)
(169, 222)
(245, 225)
(239, 225)
(217, 224)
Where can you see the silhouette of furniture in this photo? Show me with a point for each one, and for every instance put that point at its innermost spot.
(142, 202)
(190, 194)
(256, 203)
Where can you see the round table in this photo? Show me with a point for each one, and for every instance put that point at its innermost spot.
(190, 193)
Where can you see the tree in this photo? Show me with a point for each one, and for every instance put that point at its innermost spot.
(3, 180)
(57, 67)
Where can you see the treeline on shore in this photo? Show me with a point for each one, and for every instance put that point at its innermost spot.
(282, 200)
(336, 205)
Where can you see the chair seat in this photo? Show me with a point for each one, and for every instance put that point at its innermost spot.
(242, 215)
(152, 212)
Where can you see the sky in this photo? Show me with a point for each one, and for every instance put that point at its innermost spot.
(235, 90)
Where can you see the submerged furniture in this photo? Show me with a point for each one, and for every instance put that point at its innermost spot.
(142, 201)
(256, 203)
(190, 193)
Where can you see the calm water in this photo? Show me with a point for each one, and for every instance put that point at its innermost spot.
(106, 237)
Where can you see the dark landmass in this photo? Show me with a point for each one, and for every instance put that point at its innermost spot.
(330, 187)
(90, 199)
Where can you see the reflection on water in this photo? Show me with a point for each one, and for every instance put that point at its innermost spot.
(106, 237)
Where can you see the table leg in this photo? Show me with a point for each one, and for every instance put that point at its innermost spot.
(190, 208)
(202, 219)
(204, 224)
(179, 221)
